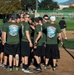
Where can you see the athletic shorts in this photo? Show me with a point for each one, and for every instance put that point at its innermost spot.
(11, 49)
(43, 50)
(52, 51)
(1, 48)
(25, 49)
(37, 51)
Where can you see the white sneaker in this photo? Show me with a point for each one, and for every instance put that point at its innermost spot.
(66, 38)
(27, 70)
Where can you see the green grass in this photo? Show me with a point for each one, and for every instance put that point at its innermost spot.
(69, 23)
(69, 43)
(1, 21)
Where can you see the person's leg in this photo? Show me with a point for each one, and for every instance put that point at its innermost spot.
(10, 60)
(2, 55)
(64, 32)
(55, 55)
(37, 56)
(25, 52)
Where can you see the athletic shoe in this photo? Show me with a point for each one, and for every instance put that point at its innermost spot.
(37, 70)
(54, 68)
(10, 69)
(17, 68)
(27, 70)
(5, 66)
(46, 67)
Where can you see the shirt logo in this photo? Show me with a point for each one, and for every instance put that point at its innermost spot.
(13, 30)
(51, 31)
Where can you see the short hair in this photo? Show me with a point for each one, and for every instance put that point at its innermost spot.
(36, 19)
(45, 16)
(63, 17)
(40, 18)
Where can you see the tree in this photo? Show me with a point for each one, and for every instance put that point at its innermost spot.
(9, 6)
(48, 4)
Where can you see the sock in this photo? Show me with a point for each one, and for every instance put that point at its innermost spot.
(25, 66)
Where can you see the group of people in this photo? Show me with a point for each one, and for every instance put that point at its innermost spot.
(26, 40)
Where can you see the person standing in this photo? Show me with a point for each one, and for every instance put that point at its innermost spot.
(37, 44)
(62, 24)
(11, 44)
(51, 44)
(26, 43)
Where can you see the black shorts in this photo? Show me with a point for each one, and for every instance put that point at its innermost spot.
(52, 51)
(25, 49)
(11, 49)
(38, 51)
(1, 48)
(43, 50)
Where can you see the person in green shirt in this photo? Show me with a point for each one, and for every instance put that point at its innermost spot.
(10, 39)
(38, 43)
(1, 47)
(52, 45)
(26, 43)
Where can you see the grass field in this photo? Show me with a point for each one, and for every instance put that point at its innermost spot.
(69, 43)
(1, 21)
(69, 23)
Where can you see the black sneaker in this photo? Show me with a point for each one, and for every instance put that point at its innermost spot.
(54, 68)
(5, 66)
(37, 70)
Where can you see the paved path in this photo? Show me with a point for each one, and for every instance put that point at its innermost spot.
(65, 67)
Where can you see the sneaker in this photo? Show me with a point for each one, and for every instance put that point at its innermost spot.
(10, 69)
(54, 68)
(27, 70)
(17, 68)
(65, 38)
(37, 70)
(5, 66)
(46, 67)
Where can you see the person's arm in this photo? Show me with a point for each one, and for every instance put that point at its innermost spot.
(60, 37)
(3, 38)
(28, 37)
(38, 37)
(65, 24)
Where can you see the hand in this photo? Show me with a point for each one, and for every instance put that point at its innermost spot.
(61, 43)
(35, 42)
(3, 43)
(31, 45)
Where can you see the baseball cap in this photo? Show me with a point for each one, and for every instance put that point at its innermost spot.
(52, 18)
(36, 19)
(15, 16)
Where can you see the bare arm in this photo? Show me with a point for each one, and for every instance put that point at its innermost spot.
(3, 38)
(60, 36)
(38, 37)
(28, 37)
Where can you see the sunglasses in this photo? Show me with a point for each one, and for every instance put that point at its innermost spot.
(46, 18)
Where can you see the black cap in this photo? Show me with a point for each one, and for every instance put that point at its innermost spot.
(15, 16)
(36, 19)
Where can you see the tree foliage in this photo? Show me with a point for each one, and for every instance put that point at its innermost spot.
(44, 4)
(48, 5)
(9, 6)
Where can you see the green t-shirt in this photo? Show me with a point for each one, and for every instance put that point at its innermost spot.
(52, 31)
(38, 29)
(12, 32)
(25, 27)
(1, 27)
